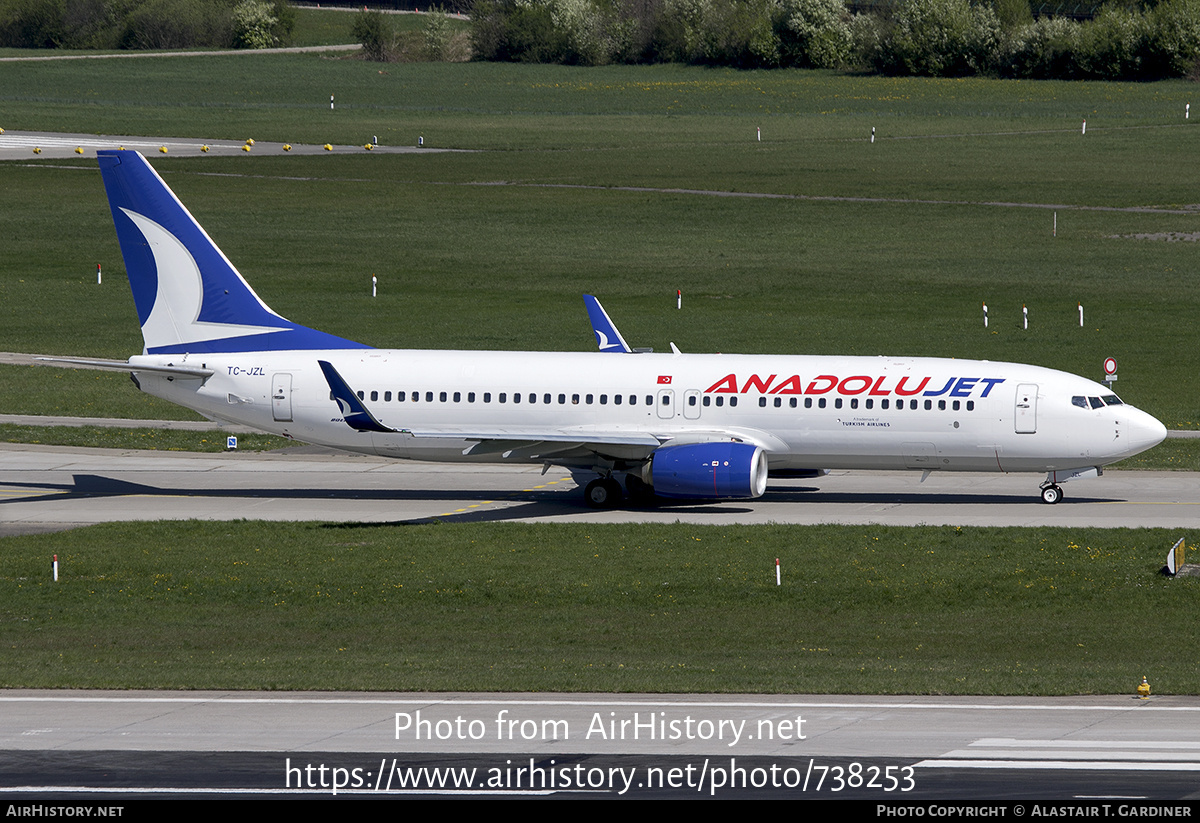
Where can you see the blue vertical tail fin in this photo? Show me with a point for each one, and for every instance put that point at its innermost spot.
(189, 297)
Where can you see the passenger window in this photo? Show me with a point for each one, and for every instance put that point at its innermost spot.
(970, 405)
(733, 401)
(617, 399)
(487, 397)
(562, 399)
(400, 396)
(707, 400)
(854, 403)
(792, 402)
(779, 401)
(957, 404)
(883, 404)
(502, 397)
(442, 396)
(516, 397)
(387, 397)
(470, 397)
(928, 405)
(808, 402)
(762, 402)
(912, 404)
(361, 396)
(837, 403)
(821, 403)
(428, 397)
(588, 400)
(547, 399)
(575, 399)
(941, 405)
(870, 404)
(458, 397)
(720, 400)
(374, 396)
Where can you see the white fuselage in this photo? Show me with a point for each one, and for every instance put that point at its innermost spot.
(807, 412)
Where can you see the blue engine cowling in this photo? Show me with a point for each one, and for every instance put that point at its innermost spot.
(708, 470)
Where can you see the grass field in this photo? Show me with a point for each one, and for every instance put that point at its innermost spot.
(636, 608)
(466, 263)
(616, 181)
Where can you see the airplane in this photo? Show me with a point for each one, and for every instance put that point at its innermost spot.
(694, 426)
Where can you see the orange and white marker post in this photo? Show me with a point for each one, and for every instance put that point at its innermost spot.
(777, 578)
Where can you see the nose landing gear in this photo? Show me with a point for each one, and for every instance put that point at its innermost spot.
(1051, 494)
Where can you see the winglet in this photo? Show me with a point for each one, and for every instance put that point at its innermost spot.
(607, 336)
(354, 412)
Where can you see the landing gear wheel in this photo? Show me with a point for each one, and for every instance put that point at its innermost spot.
(1051, 494)
(602, 493)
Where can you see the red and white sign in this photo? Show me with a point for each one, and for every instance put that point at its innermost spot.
(664, 379)
(1110, 365)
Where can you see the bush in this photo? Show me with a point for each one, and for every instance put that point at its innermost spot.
(942, 38)
(1114, 45)
(814, 33)
(374, 32)
(32, 24)
(1173, 49)
(254, 25)
(1045, 49)
(178, 24)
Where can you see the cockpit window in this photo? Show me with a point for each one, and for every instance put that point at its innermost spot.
(1096, 402)
(1080, 401)
(1112, 400)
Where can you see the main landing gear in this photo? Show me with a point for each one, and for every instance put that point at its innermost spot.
(603, 493)
(1051, 493)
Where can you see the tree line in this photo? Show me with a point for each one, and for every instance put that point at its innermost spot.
(942, 38)
(145, 24)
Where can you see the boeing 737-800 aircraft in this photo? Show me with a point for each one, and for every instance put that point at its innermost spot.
(675, 425)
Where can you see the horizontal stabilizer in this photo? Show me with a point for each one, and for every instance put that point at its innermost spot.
(121, 365)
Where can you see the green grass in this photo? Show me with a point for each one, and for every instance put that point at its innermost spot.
(632, 608)
(463, 265)
(467, 266)
(151, 439)
(323, 27)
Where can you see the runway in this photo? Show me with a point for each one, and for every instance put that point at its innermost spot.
(1075, 749)
(53, 487)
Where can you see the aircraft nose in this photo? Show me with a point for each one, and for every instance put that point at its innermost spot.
(1145, 431)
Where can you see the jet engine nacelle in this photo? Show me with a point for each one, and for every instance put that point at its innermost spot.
(708, 470)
